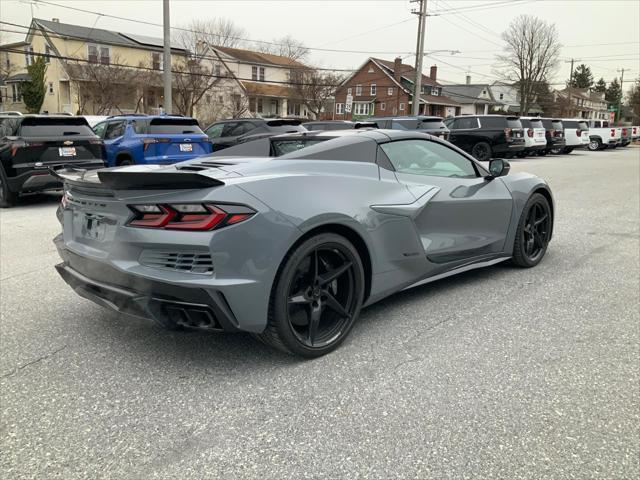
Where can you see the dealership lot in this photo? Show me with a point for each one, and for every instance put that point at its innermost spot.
(498, 373)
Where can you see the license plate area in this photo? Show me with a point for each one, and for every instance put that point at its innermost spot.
(186, 147)
(67, 151)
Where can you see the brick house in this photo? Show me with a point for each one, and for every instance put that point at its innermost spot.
(380, 87)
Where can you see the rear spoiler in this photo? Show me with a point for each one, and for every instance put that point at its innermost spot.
(123, 180)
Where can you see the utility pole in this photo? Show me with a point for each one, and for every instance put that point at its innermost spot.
(422, 16)
(570, 86)
(166, 60)
(621, 92)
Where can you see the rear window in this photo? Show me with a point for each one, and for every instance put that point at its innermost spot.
(285, 126)
(570, 123)
(557, 125)
(55, 127)
(514, 123)
(583, 126)
(282, 147)
(536, 123)
(431, 125)
(174, 126)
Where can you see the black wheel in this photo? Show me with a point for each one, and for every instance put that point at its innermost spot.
(482, 151)
(534, 232)
(124, 161)
(7, 197)
(316, 297)
(568, 150)
(556, 151)
(542, 153)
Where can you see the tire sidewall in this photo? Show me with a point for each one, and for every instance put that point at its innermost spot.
(486, 147)
(279, 301)
(520, 257)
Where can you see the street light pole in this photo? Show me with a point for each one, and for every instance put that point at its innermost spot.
(166, 57)
(621, 93)
(422, 15)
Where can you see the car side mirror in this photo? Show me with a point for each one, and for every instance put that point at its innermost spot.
(499, 167)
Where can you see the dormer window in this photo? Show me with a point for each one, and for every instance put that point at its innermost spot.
(435, 91)
(370, 70)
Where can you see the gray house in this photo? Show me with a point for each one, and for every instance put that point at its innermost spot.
(475, 99)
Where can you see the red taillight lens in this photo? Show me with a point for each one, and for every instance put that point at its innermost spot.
(530, 132)
(578, 133)
(613, 132)
(148, 141)
(624, 132)
(191, 217)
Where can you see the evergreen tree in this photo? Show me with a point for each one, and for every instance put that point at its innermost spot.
(613, 93)
(582, 77)
(34, 90)
(633, 99)
(600, 86)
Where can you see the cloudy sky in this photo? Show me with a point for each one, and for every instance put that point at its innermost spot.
(604, 34)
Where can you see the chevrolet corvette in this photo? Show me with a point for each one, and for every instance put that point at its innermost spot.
(290, 248)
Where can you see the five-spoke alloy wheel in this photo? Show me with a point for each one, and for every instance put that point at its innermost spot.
(317, 296)
(534, 232)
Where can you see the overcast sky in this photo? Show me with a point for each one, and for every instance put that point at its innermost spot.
(383, 28)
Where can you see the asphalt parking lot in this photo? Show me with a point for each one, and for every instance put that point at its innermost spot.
(498, 373)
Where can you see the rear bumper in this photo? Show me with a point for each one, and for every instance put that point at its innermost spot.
(168, 159)
(167, 304)
(33, 181)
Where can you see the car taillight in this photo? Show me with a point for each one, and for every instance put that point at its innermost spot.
(191, 216)
(552, 132)
(624, 132)
(507, 133)
(15, 146)
(148, 141)
(579, 133)
(613, 132)
(530, 132)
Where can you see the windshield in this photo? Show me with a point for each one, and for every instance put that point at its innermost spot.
(285, 126)
(55, 127)
(174, 125)
(282, 147)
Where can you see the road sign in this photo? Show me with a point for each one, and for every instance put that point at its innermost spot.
(348, 103)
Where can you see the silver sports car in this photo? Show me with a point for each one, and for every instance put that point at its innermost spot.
(291, 247)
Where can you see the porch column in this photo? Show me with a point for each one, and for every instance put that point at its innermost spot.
(486, 109)
(285, 107)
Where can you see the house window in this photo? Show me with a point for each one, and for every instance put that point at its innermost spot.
(92, 51)
(217, 69)
(8, 62)
(16, 94)
(339, 108)
(104, 55)
(349, 90)
(435, 91)
(361, 108)
(28, 55)
(501, 96)
(383, 107)
(47, 53)
(259, 105)
(402, 107)
(390, 91)
(370, 70)
(156, 58)
(358, 90)
(50, 88)
(484, 92)
(373, 89)
(257, 73)
(293, 109)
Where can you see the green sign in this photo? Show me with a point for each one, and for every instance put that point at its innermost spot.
(612, 108)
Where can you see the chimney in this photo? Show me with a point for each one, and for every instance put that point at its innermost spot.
(397, 68)
(433, 73)
(468, 79)
(57, 20)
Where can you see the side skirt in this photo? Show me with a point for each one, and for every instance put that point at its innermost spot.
(465, 268)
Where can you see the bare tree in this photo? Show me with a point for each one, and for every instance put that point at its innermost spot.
(191, 81)
(6, 67)
(286, 46)
(314, 87)
(212, 31)
(531, 54)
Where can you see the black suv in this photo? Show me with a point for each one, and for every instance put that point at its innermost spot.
(32, 144)
(431, 125)
(554, 133)
(227, 133)
(487, 136)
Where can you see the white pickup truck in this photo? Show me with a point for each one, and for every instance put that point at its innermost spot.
(603, 135)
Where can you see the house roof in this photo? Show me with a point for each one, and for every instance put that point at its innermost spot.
(268, 90)
(406, 71)
(469, 94)
(250, 56)
(438, 100)
(18, 77)
(101, 36)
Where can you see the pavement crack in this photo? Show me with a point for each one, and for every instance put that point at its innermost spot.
(32, 362)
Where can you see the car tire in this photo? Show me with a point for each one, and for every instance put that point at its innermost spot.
(533, 233)
(7, 197)
(124, 161)
(482, 151)
(542, 153)
(567, 150)
(311, 312)
(556, 151)
(594, 145)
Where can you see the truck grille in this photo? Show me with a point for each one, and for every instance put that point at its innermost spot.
(192, 262)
